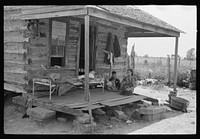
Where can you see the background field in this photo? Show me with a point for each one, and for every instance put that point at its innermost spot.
(159, 66)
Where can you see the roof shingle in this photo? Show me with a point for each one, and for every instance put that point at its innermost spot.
(139, 15)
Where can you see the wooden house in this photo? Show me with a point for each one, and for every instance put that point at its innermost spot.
(71, 39)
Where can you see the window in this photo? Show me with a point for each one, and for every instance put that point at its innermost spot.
(58, 41)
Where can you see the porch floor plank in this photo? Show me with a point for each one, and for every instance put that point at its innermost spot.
(133, 98)
(75, 99)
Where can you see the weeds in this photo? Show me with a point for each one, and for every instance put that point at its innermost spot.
(157, 68)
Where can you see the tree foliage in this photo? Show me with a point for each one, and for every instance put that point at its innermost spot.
(190, 55)
(146, 56)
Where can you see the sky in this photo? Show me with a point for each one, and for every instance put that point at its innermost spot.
(179, 16)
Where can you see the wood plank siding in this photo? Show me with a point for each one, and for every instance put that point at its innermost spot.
(15, 51)
(24, 55)
(120, 62)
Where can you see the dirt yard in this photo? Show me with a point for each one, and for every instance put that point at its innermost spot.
(175, 122)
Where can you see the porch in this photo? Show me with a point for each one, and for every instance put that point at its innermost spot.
(122, 23)
(73, 102)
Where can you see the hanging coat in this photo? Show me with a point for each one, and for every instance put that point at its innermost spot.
(117, 50)
(109, 48)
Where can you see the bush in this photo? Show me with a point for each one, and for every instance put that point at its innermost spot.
(182, 79)
(159, 77)
(137, 75)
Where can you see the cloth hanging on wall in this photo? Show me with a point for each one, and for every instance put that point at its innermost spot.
(117, 50)
(109, 47)
(93, 47)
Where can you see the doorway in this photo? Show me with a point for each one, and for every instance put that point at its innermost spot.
(92, 49)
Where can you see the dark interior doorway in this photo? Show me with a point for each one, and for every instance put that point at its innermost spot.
(92, 49)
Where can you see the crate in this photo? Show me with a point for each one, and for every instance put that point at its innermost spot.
(179, 103)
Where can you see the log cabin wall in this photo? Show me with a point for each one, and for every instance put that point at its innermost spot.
(73, 44)
(15, 50)
(24, 56)
(120, 62)
(38, 49)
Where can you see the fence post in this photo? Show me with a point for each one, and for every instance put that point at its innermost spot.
(168, 66)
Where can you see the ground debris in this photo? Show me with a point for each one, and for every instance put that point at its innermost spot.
(129, 122)
(192, 122)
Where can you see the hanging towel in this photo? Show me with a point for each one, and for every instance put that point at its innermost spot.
(109, 48)
(117, 50)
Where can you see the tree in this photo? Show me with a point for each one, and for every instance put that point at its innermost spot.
(146, 56)
(190, 55)
(145, 62)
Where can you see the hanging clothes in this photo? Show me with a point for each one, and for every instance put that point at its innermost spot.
(117, 50)
(109, 47)
(93, 47)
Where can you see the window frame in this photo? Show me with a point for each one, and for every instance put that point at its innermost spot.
(63, 65)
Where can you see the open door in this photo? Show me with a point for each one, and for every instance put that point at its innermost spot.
(92, 50)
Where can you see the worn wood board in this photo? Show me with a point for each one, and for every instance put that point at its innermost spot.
(14, 88)
(51, 106)
(14, 77)
(123, 101)
(92, 107)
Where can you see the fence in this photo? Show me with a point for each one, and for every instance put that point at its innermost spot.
(159, 66)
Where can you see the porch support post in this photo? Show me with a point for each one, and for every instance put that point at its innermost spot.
(175, 64)
(87, 91)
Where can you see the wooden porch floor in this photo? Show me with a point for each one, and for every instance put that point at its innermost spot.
(75, 100)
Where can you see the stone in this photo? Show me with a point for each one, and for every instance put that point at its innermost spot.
(83, 128)
(129, 122)
(99, 111)
(84, 119)
(117, 108)
(147, 103)
(137, 105)
(109, 112)
(103, 119)
(61, 119)
(19, 100)
(90, 125)
(115, 119)
(120, 115)
(155, 103)
(86, 115)
(41, 113)
(42, 120)
(151, 110)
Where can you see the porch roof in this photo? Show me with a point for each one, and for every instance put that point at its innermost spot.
(130, 16)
